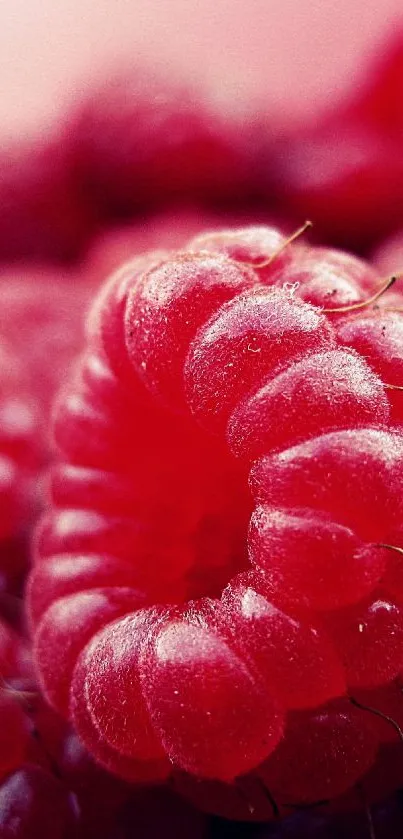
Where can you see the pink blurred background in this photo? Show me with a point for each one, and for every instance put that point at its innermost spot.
(299, 54)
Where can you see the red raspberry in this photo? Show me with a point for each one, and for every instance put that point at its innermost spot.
(14, 735)
(42, 317)
(209, 678)
(35, 803)
(388, 256)
(50, 785)
(142, 140)
(166, 230)
(323, 753)
(21, 453)
(345, 169)
(31, 798)
(346, 176)
(40, 324)
(305, 399)
(379, 102)
(43, 211)
(261, 247)
(328, 278)
(379, 337)
(312, 558)
(369, 636)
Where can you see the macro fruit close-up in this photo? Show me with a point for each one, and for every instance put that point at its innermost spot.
(201, 427)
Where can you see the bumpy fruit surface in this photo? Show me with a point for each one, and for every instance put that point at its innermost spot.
(228, 484)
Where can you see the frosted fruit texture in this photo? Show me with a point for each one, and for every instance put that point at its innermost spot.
(207, 590)
(380, 340)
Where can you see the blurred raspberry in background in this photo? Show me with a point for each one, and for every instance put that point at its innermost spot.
(265, 111)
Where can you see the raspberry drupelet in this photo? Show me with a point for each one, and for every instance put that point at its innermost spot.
(49, 784)
(227, 496)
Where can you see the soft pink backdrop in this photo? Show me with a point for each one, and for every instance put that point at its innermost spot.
(301, 52)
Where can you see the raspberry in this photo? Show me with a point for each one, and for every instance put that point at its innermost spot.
(34, 803)
(186, 354)
(141, 140)
(260, 247)
(379, 337)
(322, 754)
(369, 636)
(44, 213)
(329, 278)
(89, 610)
(388, 256)
(20, 457)
(379, 102)
(189, 291)
(38, 318)
(13, 735)
(307, 398)
(250, 338)
(50, 785)
(38, 324)
(105, 322)
(313, 559)
(143, 745)
(342, 173)
(314, 475)
(183, 677)
(290, 651)
(167, 230)
(144, 771)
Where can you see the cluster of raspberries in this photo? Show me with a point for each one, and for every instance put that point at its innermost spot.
(201, 468)
(139, 142)
(217, 589)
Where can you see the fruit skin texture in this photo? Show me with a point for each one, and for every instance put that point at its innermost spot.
(49, 784)
(164, 230)
(379, 338)
(209, 680)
